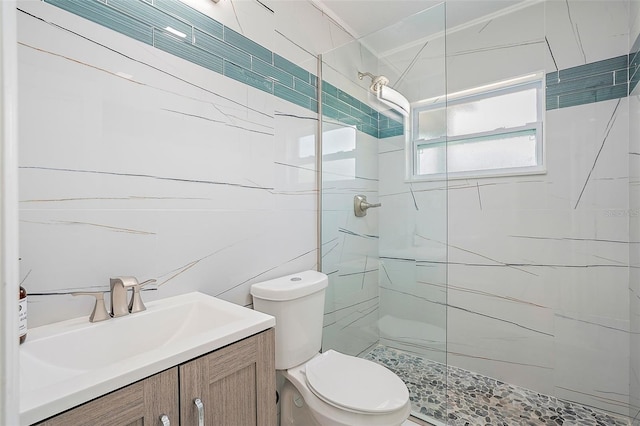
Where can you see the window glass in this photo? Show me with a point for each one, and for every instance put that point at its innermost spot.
(498, 131)
(432, 123)
(510, 151)
(483, 115)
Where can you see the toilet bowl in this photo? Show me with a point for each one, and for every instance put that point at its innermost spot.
(329, 388)
(337, 389)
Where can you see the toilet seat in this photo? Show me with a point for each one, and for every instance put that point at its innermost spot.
(355, 384)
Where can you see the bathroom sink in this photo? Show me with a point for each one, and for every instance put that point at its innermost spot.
(67, 363)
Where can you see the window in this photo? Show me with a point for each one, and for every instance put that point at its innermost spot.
(496, 130)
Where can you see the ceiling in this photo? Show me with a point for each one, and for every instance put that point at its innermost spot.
(364, 17)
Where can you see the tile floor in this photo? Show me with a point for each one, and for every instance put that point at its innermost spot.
(476, 400)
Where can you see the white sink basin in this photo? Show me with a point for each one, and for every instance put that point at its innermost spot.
(67, 363)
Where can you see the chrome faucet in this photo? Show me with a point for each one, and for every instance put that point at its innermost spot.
(119, 289)
(119, 305)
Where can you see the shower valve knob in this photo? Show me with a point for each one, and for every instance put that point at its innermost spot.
(360, 205)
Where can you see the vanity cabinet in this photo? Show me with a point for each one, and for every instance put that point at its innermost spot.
(235, 384)
(139, 404)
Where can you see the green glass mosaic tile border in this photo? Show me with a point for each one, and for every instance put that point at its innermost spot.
(593, 82)
(341, 106)
(180, 30)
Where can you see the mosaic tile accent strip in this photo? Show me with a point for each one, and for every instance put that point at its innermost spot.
(388, 127)
(210, 44)
(474, 399)
(594, 82)
(341, 106)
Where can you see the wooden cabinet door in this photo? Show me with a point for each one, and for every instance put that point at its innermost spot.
(139, 404)
(236, 384)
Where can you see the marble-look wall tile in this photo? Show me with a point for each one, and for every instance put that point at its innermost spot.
(584, 344)
(413, 307)
(411, 53)
(512, 45)
(342, 65)
(308, 26)
(634, 21)
(135, 162)
(558, 246)
(413, 254)
(350, 243)
(417, 72)
(580, 32)
(253, 19)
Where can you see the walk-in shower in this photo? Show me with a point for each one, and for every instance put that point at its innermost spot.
(497, 292)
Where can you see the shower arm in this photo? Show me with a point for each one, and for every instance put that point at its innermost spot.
(362, 74)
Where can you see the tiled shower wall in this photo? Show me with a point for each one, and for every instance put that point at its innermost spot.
(149, 165)
(531, 281)
(134, 161)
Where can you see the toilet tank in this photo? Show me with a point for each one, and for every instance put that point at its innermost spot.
(297, 303)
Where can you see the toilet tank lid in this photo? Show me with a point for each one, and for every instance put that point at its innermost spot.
(291, 286)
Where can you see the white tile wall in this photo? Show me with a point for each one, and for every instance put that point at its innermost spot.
(350, 244)
(581, 32)
(508, 46)
(175, 173)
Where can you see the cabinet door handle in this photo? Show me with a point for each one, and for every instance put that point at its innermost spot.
(200, 407)
(165, 420)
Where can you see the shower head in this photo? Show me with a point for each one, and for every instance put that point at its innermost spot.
(386, 95)
(377, 81)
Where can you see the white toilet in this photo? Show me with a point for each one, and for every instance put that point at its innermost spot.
(329, 388)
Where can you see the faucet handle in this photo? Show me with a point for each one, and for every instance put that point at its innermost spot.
(99, 311)
(136, 304)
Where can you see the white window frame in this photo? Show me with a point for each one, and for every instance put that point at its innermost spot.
(510, 86)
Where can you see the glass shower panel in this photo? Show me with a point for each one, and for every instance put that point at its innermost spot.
(497, 299)
(349, 168)
(387, 271)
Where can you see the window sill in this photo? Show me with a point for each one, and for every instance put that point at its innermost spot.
(532, 171)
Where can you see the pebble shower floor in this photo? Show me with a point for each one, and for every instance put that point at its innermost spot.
(476, 400)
